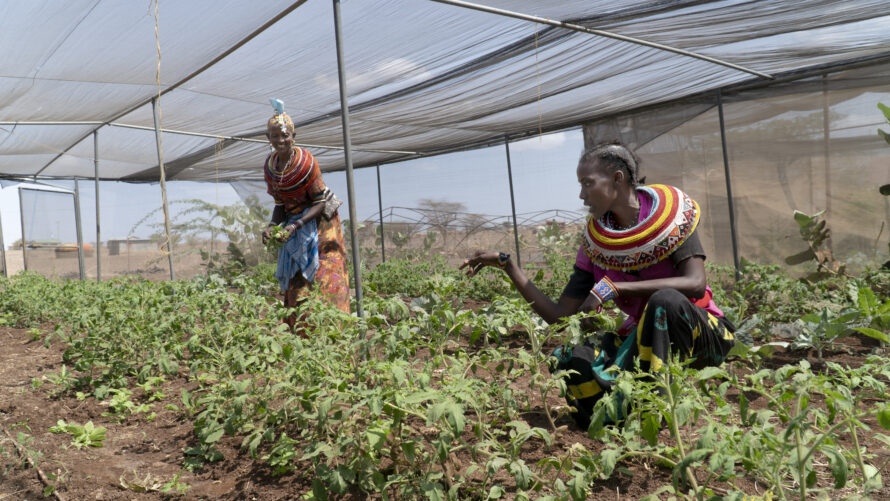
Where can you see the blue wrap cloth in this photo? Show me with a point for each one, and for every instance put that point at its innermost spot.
(299, 254)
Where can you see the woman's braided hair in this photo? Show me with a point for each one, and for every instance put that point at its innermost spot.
(615, 156)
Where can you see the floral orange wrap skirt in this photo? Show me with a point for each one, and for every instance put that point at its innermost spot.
(332, 277)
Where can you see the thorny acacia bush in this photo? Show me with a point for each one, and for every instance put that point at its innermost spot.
(415, 400)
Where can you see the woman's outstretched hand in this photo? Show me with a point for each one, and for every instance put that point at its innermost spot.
(479, 260)
(267, 234)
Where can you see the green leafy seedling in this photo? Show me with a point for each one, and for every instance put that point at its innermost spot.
(86, 435)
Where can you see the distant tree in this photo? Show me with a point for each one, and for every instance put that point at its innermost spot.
(440, 214)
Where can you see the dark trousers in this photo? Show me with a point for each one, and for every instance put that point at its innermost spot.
(671, 324)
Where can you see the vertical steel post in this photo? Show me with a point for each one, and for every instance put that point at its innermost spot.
(3, 251)
(347, 153)
(380, 208)
(826, 138)
(98, 213)
(732, 231)
(512, 200)
(78, 228)
(22, 219)
(163, 178)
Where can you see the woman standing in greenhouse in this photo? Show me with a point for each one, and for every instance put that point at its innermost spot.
(313, 255)
(641, 250)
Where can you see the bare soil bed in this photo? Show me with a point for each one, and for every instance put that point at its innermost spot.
(139, 457)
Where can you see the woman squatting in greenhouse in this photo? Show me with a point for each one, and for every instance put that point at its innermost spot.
(313, 255)
(640, 250)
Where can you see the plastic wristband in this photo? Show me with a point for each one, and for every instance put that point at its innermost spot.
(605, 290)
(502, 260)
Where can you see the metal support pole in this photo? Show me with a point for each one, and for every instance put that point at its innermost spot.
(98, 213)
(732, 231)
(380, 208)
(512, 200)
(155, 112)
(22, 219)
(826, 138)
(347, 153)
(3, 251)
(78, 228)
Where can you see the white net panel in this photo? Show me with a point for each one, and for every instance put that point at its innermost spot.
(50, 239)
(422, 77)
(810, 146)
(427, 78)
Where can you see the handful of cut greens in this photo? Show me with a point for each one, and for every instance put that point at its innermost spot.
(277, 238)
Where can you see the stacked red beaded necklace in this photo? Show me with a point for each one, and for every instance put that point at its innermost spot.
(295, 178)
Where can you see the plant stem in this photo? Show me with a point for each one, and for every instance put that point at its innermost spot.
(27, 457)
(858, 452)
(801, 462)
(823, 436)
(544, 393)
(675, 431)
(406, 411)
(653, 455)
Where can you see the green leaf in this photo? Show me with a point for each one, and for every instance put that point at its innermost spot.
(376, 437)
(543, 435)
(873, 333)
(802, 219)
(684, 410)
(608, 458)
(651, 427)
(318, 490)
(839, 467)
(578, 487)
(865, 298)
(800, 257)
(812, 478)
(496, 492)
(521, 473)
(597, 421)
(885, 189)
(339, 479)
(168, 366)
(738, 350)
(872, 478)
(433, 491)
(408, 448)
(455, 418)
(710, 373)
(708, 439)
(214, 436)
(692, 457)
(884, 418)
(421, 396)
(885, 110)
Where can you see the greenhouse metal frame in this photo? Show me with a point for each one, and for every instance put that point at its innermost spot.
(420, 79)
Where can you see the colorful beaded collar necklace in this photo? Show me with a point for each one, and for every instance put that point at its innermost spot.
(295, 178)
(673, 217)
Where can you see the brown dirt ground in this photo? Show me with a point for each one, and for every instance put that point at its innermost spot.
(150, 453)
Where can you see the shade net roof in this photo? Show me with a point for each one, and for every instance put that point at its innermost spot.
(422, 77)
